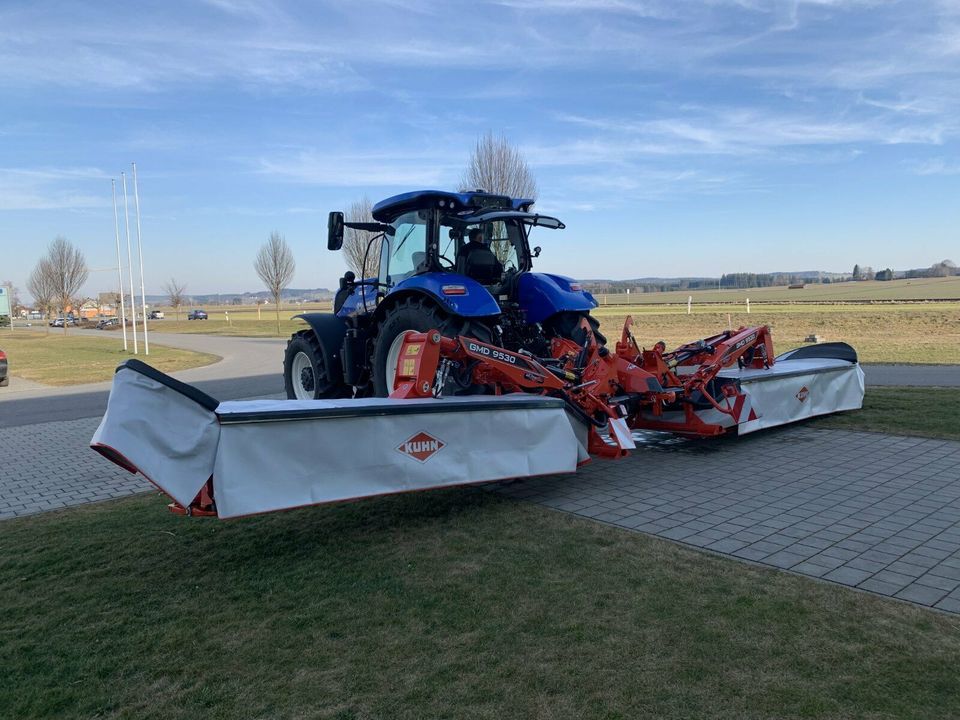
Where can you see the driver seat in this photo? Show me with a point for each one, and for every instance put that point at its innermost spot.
(481, 264)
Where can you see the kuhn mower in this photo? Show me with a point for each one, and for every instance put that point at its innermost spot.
(457, 364)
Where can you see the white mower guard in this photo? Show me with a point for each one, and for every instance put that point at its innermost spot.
(803, 383)
(269, 455)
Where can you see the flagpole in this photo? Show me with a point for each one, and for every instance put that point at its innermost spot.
(143, 294)
(116, 230)
(133, 298)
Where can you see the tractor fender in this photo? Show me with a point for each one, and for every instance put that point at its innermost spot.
(360, 300)
(474, 302)
(543, 295)
(330, 331)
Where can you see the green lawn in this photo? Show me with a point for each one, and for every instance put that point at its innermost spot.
(927, 412)
(450, 604)
(58, 359)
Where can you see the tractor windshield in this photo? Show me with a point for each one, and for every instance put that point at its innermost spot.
(405, 253)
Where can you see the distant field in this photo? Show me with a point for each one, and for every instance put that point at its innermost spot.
(914, 289)
(887, 332)
(237, 320)
(880, 333)
(53, 359)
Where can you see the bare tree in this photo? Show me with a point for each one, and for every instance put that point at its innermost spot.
(41, 287)
(68, 270)
(498, 167)
(175, 293)
(355, 242)
(275, 266)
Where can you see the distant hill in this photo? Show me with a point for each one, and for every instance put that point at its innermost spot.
(944, 268)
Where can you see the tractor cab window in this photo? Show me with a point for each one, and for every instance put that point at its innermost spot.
(502, 238)
(406, 252)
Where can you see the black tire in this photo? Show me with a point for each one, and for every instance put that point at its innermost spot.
(419, 314)
(306, 377)
(567, 325)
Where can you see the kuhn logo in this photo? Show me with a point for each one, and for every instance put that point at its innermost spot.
(803, 394)
(421, 447)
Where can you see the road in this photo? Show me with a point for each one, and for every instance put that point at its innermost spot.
(250, 367)
(916, 375)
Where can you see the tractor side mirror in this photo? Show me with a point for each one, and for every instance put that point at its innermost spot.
(335, 231)
(536, 251)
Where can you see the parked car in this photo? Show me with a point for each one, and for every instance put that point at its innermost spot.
(4, 378)
(197, 315)
(107, 322)
(59, 322)
(156, 315)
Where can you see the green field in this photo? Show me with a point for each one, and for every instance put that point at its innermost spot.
(58, 359)
(889, 332)
(899, 333)
(862, 291)
(236, 320)
(449, 604)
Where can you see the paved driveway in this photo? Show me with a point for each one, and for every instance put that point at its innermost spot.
(877, 512)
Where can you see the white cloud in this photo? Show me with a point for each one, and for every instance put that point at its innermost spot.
(937, 166)
(47, 188)
(311, 167)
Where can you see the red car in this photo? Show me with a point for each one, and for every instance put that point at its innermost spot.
(4, 378)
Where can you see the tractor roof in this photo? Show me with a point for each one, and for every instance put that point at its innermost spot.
(387, 210)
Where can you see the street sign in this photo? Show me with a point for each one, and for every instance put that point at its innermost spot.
(4, 301)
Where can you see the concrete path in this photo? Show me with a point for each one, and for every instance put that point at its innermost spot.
(876, 512)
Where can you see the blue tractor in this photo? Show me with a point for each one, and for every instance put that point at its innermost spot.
(457, 262)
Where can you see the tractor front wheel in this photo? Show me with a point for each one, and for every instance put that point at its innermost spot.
(304, 370)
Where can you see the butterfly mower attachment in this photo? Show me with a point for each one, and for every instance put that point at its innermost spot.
(462, 411)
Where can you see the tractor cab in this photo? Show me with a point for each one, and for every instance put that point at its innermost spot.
(478, 235)
(481, 236)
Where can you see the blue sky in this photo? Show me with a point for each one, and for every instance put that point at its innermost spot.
(673, 137)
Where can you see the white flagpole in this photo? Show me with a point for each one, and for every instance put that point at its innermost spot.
(116, 229)
(143, 294)
(133, 298)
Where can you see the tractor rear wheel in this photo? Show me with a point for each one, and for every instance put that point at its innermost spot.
(419, 315)
(304, 370)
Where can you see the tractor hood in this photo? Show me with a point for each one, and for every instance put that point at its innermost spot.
(543, 295)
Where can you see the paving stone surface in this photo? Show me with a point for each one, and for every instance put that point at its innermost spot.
(877, 512)
(50, 465)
